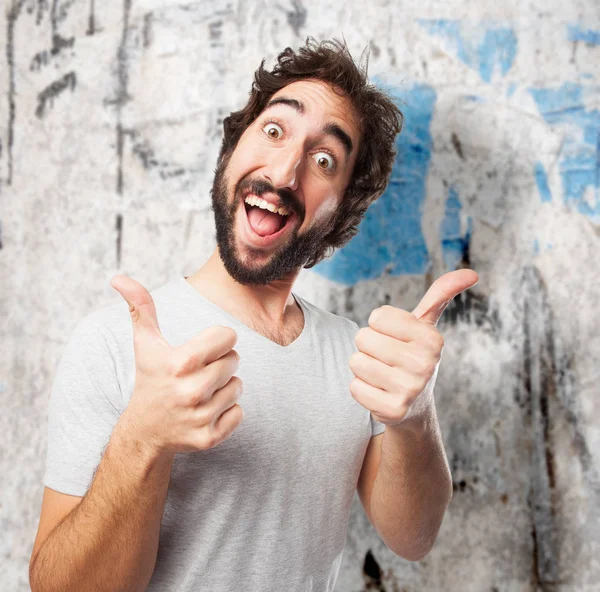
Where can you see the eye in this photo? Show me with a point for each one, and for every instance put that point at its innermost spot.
(324, 161)
(273, 130)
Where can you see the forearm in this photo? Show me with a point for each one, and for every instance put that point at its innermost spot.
(110, 540)
(413, 486)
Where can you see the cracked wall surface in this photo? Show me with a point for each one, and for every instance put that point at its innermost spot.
(110, 124)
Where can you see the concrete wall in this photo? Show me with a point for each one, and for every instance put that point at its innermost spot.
(109, 129)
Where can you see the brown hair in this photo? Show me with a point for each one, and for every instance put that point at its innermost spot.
(380, 121)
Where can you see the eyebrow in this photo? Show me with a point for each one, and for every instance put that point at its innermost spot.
(331, 129)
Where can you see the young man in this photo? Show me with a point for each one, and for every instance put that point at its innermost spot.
(216, 482)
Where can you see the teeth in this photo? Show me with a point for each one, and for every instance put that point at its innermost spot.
(265, 205)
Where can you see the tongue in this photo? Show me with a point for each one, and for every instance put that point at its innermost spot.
(264, 222)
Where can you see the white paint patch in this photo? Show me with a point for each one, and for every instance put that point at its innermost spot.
(325, 209)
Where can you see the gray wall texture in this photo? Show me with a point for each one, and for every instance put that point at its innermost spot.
(110, 123)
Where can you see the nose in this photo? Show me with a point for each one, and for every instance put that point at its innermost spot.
(282, 169)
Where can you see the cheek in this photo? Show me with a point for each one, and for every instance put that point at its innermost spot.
(245, 156)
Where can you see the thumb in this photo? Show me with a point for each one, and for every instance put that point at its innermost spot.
(441, 293)
(141, 308)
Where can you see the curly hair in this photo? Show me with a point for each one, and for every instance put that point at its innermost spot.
(380, 120)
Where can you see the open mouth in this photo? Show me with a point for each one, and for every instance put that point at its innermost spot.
(265, 227)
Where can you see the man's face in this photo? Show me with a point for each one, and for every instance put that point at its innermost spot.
(299, 154)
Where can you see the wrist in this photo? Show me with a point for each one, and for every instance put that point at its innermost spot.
(129, 432)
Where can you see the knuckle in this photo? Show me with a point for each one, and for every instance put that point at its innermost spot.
(437, 339)
(206, 383)
(209, 439)
(204, 415)
(417, 386)
(400, 407)
(181, 365)
(398, 383)
(423, 365)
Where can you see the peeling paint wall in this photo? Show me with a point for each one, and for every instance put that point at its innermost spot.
(110, 124)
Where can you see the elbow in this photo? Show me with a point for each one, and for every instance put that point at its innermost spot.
(419, 545)
(414, 552)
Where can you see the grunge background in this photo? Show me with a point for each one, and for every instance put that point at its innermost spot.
(110, 123)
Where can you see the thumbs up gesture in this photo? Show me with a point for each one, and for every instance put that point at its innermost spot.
(184, 398)
(399, 353)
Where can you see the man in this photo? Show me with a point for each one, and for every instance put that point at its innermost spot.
(216, 482)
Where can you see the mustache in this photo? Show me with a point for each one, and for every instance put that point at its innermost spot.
(260, 186)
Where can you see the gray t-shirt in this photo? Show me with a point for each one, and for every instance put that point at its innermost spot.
(265, 510)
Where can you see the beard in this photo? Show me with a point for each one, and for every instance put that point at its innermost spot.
(285, 259)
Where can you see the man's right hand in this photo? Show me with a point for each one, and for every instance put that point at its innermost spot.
(184, 398)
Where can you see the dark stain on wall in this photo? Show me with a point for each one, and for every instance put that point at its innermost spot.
(147, 156)
(539, 372)
(296, 18)
(42, 7)
(471, 307)
(42, 58)
(372, 573)
(11, 19)
(215, 31)
(147, 29)
(375, 49)
(465, 472)
(119, 229)
(48, 95)
(91, 30)
(119, 101)
(122, 96)
(457, 146)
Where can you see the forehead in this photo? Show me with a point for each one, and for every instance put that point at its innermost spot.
(320, 100)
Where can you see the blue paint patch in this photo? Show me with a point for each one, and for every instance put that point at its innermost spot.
(576, 33)
(390, 239)
(536, 247)
(541, 178)
(496, 51)
(454, 244)
(499, 47)
(579, 159)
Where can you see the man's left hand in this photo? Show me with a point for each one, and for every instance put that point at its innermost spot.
(399, 353)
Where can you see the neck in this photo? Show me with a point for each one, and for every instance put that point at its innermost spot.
(270, 304)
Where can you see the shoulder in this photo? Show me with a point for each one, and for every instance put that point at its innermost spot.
(111, 322)
(328, 320)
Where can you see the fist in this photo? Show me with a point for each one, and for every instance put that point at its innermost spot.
(184, 398)
(398, 355)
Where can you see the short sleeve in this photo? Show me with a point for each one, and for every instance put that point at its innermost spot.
(84, 406)
(376, 426)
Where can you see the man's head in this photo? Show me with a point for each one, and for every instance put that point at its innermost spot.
(315, 138)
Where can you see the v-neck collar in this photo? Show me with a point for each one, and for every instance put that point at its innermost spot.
(288, 348)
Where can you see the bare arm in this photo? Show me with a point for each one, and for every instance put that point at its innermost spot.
(109, 541)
